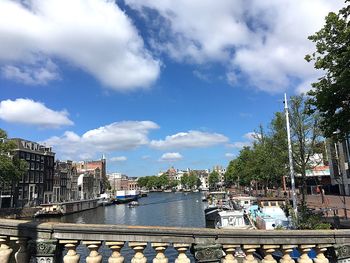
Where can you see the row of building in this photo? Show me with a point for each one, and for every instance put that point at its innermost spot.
(48, 180)
(118, 181)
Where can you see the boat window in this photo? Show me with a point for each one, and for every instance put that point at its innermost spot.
(265, 203)
(281, 203)
(273, 204)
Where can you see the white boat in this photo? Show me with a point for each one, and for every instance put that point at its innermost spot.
(126, 196)
(244, 201)
(269, 215)
(233, 219)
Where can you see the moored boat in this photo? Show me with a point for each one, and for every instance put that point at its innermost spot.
(64, 208)
(233, 219)
(126, 196)
(268, 214)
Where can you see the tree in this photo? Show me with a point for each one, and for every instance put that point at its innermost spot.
(163, 181)
(213, 179)
(192, 180)
(330, 96)
(306, 138)
(11, 167)
(173, 183)
(184, 180)
(143, 181)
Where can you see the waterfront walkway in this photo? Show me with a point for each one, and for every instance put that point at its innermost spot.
(333, 203)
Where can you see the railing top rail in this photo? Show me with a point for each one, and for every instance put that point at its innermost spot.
(32, 229)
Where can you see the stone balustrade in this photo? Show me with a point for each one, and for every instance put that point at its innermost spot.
(24, 241)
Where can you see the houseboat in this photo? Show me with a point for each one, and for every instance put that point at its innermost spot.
(64, 208)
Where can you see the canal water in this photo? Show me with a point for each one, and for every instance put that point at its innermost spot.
(157, 209)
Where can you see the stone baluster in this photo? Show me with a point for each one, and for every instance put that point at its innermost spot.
(71, 246)
(94, 256)
(320, 258)
(116, 257)
(304, 257)
(230, 251)
(269, 249)
(181, 249)
(138, 247)
(249, 251)
(160, 248)
(286, 250)
(22, 254)
(5, 250)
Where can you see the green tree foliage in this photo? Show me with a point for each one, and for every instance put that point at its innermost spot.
(173, 183)
(331, 94)
(265, 162)
(213, 179)
(157, 182)
(184, 180)
(143, 181)
(306, 138)
(192, 180)
(11, 167)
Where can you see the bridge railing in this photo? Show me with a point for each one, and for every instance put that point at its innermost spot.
(58, 242)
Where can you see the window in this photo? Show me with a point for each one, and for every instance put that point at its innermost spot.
(31, 173)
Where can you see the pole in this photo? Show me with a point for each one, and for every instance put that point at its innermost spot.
(342, 180)
(291, 169)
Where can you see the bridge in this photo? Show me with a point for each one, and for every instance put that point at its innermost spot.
(27, 241)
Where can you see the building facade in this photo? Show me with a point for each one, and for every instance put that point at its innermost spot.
(36, 186)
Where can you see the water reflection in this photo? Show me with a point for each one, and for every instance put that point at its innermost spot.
(158, 209)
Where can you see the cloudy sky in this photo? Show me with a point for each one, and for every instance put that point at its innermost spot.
(151, 83)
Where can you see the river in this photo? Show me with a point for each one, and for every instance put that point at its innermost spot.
(157, 209)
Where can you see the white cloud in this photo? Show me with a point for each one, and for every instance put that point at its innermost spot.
(229, 155)
(239, 145)
(27, 111)
(191, 139)
(249, 136)
(38, 74)
(94, 35)
(263, 42)
(118, 159)
(170, 157)
(124, 135)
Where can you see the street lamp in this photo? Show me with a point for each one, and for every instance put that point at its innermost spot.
(341, 176)
(290, 154)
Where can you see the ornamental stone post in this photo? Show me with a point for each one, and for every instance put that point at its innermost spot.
(44, 250)
(342, 253)
(208, 252)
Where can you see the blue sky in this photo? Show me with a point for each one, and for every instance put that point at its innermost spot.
(154, 83)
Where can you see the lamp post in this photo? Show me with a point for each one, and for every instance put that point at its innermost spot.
(291, 168)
